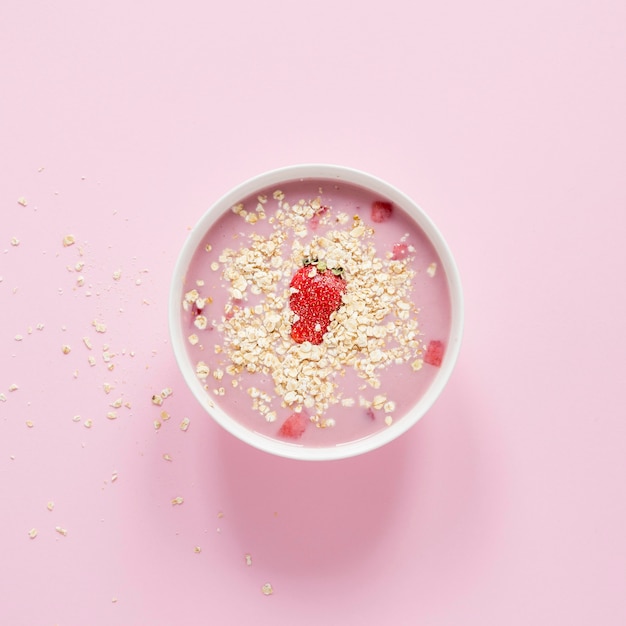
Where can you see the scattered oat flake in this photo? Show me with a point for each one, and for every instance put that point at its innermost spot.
(88, 423)
(432, 269)
(87, 343)
(178, 500)
(99, 326)
(202, 370)
(184, 425)
(267, 589)
(18, 337)
(32, 533)
(15, 241)
(417, 365)
(50, 506)
(76, 418)
(157, 399)
(3, 398)
(68, 240)
(248, 558)
(112, 415)
(197, 549)
(157, 424)
(22, 201)
(29, 424)
(66, 349)
(167, 457)
(117, 274)
(61, 531)
(114, 477)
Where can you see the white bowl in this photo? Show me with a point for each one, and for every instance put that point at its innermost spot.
(323, 173)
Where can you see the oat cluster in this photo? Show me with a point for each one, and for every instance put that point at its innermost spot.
(375, 326)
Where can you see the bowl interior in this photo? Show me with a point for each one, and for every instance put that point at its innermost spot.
(325, 174)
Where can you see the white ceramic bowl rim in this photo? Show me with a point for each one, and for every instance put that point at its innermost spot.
(282, 176)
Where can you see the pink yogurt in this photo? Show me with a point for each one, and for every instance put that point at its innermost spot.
(401, 384)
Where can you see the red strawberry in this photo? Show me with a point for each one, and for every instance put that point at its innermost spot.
(294, 426)
(400, 251)
(318, 295)
(434, 353)
(381, 211)
(303, 330)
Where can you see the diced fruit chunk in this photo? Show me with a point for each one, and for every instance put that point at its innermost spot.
(314, 222)
(381, 211)
(434, 353)
(294, 426)
(400, 251)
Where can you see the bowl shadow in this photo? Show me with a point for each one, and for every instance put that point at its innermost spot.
(441, 486)
(308, 516)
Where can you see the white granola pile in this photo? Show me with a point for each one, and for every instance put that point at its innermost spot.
(375, 326)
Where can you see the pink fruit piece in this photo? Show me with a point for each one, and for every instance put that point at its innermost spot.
(294, 426)
(434, 353)
(381, 211)
(400, 251)
(235, 306)
(314, 222)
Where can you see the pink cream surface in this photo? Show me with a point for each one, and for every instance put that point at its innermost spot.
(399, 382)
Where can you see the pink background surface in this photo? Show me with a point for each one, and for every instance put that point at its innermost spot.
(505, 121)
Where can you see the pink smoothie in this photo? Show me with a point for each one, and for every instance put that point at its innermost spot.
(374, 362)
